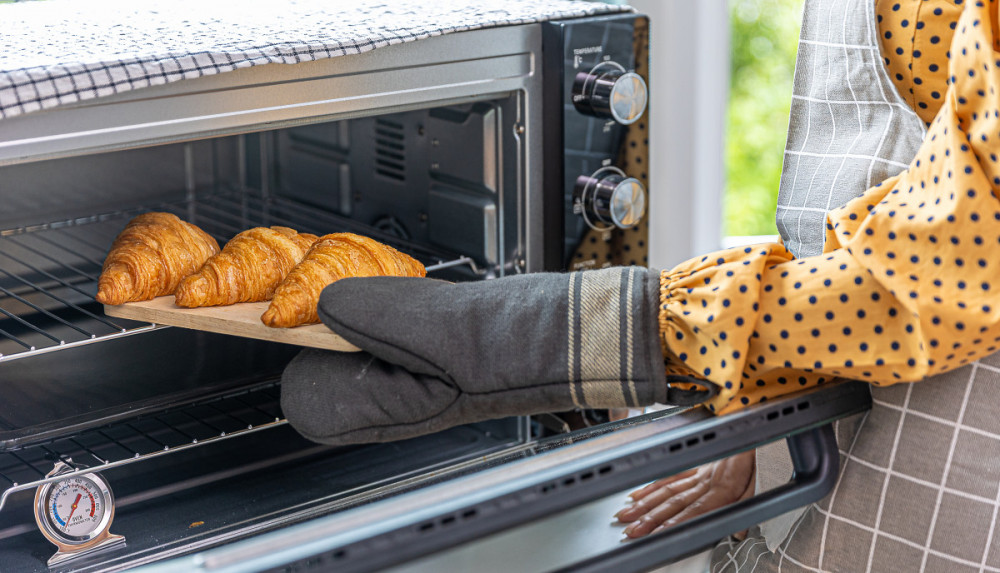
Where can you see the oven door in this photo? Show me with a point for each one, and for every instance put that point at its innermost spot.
(461, 523)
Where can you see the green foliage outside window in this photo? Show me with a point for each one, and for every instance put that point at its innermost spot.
(764, 39)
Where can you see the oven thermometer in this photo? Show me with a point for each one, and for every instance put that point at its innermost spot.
(75, 514)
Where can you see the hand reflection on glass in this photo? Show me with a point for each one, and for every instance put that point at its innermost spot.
(678, 498)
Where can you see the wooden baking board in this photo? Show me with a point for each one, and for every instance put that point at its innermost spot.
(241, 319)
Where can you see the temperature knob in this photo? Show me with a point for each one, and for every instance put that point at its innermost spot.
(610, 91)
(610, 198)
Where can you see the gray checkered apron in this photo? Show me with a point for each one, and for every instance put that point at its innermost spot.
(919, 485)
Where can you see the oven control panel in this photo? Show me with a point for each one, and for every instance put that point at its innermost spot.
(609, 91)
(597, 113)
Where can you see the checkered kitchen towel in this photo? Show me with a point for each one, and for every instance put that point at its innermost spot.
(919, 484)
(62, 51)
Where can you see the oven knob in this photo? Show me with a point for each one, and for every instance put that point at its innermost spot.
(610, 91)
(609, 197)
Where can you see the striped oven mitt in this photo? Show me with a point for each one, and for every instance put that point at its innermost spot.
(437, 354)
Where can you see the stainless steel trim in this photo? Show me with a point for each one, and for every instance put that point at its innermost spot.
(531, 168)
(63, 345)
(492, 148)
(455, 263)
(494, 224)
(492, 61)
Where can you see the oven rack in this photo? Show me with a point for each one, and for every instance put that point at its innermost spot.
(142, 438)
(49, 271)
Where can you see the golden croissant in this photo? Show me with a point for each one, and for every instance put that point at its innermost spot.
(151, 256)
(248, 269)
(333, 257)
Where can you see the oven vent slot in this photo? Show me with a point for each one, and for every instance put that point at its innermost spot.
(390, 149)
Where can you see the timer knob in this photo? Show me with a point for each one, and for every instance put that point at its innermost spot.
(610, 197)
(611, 92)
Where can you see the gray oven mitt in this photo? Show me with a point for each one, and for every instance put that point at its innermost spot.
(438, 354)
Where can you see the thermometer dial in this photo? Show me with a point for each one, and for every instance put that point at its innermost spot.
(76, 507)
(75, 514)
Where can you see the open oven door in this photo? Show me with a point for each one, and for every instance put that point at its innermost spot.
(557, 475)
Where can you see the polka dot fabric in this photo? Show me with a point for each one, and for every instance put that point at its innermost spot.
(709, 307)
(907, 286)
(915, 37)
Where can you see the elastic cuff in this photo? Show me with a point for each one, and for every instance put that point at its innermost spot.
(671, 362)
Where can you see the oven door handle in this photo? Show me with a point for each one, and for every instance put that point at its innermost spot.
(816, 461)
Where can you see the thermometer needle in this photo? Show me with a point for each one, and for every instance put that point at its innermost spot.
(73, 508)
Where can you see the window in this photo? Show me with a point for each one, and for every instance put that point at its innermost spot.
(764, 37)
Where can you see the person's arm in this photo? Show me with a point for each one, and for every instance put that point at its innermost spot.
(907, 287)
(916, 53)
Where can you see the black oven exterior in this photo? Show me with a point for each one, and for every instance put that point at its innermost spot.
(594, 144)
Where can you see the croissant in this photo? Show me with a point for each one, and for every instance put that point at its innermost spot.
(333, 257)
(248, 269)
(151, 255)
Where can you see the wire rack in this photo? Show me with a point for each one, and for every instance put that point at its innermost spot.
(142, 438)
(49, 271)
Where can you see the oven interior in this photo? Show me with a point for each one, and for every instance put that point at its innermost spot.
(441, 184)
(433, 183)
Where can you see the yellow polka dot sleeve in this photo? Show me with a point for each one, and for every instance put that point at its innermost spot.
(909, 285)
(915, 37)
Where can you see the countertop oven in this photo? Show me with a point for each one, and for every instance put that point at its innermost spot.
(483, 154)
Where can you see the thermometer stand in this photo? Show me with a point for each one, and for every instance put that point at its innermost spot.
(110, 541)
